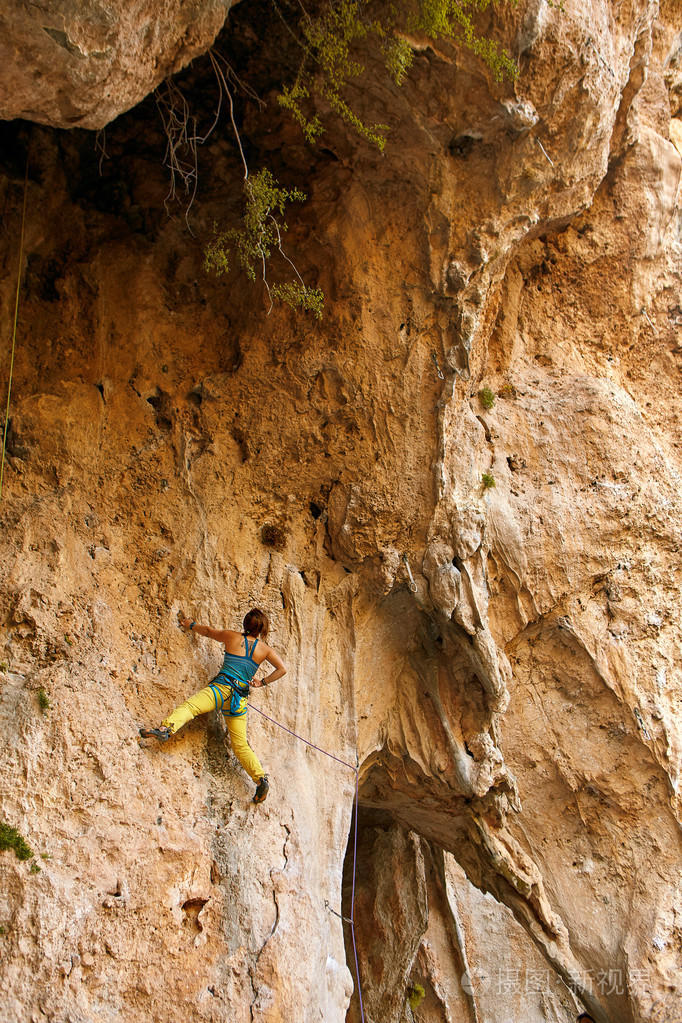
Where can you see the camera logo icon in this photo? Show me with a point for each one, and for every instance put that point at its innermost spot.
(476, 981)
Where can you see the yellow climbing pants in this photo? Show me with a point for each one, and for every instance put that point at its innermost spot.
(205, 701)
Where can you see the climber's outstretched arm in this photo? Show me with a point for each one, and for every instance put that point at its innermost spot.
(203, 630)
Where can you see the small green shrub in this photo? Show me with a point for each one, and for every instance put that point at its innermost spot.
(300, 296)
(11, 839)
(43, 700)
(67, 639)
(331, 41)
(261, 231)
(2, 930)
(35, 869)
(253, 243)
(488, 480)
(486, 397)
(415, 994)
(3, 666)
(273, 536)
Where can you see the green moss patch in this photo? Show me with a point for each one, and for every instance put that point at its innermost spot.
(11, 839)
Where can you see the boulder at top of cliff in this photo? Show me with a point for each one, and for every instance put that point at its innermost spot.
(72, 65)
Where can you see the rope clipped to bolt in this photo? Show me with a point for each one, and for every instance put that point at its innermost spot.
(356, 770)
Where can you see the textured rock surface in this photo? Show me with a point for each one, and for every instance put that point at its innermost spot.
(516, 708)
(66, 63)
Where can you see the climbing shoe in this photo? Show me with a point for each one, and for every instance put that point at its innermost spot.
(162, 733)
(262, 789)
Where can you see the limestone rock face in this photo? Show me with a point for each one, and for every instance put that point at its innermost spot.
(501, 662)
(71, 64)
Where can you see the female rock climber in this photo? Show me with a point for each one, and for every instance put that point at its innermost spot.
(229, 690)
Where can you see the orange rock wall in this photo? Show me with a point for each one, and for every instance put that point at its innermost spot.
(503, 661)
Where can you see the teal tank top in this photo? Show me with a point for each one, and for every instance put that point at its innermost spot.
(241, 667)
(236, 672)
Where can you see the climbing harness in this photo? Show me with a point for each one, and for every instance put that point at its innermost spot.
(356, 769)
(244, 666)
(16, 317)
(238, 705)
(438, 369)
(413, 585)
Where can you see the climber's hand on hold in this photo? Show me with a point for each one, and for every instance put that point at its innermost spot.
(184, 623)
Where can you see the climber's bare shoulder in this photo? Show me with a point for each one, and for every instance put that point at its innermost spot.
(271, 656)
(233, 641)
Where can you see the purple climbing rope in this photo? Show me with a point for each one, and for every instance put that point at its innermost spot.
(345, 763)
(318, 748)
(352, 898)
(355, 849)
